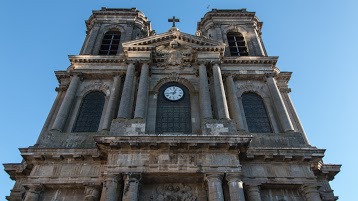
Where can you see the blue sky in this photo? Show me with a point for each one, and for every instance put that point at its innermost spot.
(314, 39)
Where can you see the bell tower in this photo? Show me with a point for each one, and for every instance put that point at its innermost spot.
(172, 116)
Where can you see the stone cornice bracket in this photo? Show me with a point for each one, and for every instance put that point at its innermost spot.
(270, 75)
(61, 88)
(328, 171)
(285, 90)
(34, 188)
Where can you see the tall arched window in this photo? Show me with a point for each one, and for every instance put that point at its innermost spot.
(173, 109)
(255, 113)
(237, 44)
(110, 43)
(90, 112)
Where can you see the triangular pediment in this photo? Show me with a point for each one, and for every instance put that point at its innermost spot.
(173, 48)
(184, 39)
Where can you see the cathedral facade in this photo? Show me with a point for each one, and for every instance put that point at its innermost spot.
(172, 117)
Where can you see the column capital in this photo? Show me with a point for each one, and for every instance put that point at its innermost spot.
(132, 177)
(214, 177)
(234, 177)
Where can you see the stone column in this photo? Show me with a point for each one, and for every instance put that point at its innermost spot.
(66, 104)
(311, 193)
(221, 104)
(215, 190)
(92, 192)
(279, 104)
(126, 98)
(205, 100)
(236, 189)
(113, 99)
(111, 186)
(142, 95)
(131, 182)
(234, 106)
(33, 192)
(285, 95)
(253, 193)
(46, 126)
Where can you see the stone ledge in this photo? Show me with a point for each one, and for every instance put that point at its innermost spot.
(31, 155)
(284, 154)
(278, 140)
(189, 142)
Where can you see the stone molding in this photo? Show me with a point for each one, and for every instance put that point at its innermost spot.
(80, 59)
(284, 154)
(189, 142)
(250, 60)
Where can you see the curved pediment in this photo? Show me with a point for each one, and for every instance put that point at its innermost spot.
(172, 48)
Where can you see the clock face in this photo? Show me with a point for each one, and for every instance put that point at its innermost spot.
(173, 93)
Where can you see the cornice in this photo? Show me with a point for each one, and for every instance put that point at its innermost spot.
(328, 171)
(225, 14)
(250, 60)
(35, 155)
(188, 142)
(80, 59)
(284, 154)
(118, 12)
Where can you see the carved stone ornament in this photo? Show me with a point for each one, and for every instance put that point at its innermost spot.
(173, 54)
(173, 192)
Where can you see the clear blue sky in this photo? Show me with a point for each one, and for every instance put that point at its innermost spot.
(316, 40)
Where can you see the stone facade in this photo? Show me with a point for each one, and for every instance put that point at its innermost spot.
(134, 155)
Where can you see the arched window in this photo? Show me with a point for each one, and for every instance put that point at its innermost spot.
(173, 109)
(255, 113)
(90, 112)
(237, 44)
(110, 43)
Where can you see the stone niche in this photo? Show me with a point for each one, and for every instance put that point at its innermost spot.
(172, 187)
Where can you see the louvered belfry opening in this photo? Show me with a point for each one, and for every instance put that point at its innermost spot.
(237, 44)
(110, 43)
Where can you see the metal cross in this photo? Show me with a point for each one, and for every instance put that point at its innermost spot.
(173, 20)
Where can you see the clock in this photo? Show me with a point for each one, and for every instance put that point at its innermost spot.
(173, 93)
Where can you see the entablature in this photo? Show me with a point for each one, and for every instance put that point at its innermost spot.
(38, 155)
(284, 154)
(185, 142)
